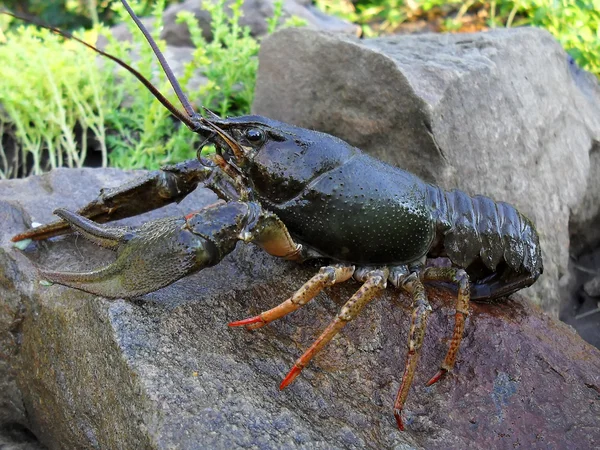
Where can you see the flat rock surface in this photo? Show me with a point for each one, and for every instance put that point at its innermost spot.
(505, 114)
(165, 371)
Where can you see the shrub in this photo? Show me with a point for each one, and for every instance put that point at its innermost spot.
(54, 93)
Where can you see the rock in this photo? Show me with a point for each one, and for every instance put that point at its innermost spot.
(592, 287)
(582, 311)
(18, 438)
(584, 223)
(164, 370)
(255, 14)
(503, 114)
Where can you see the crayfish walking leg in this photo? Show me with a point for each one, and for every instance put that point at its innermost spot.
(421, 310)
(374, 282)
(410, 279)
(461, 279)
(327, 276)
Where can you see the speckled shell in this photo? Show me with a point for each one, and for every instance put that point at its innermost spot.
(363, 212)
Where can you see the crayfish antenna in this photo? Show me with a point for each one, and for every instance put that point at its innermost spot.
(210, 113)
(163, 62)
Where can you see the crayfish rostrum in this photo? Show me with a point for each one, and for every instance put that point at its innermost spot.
(300, 195)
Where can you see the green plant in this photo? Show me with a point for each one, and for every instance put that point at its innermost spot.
(73, 14)
(133, 130)
(229, 60)
(146, 135)
(51, 99)
(576, 25)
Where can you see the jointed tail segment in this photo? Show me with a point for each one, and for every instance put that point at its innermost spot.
(477, 231)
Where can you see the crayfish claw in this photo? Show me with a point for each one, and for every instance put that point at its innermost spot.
(104, 236)
(150, 257)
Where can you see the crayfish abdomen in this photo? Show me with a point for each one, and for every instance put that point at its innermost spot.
(497, 245)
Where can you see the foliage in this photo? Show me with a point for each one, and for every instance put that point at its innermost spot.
(72, 14)
(575, 23)
(51, 98)
(229, 63)
(145, 135)
(75, 93)
(230, 60)
(55, 96)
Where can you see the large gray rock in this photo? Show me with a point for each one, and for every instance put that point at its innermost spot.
(164, 371)
(504, 114)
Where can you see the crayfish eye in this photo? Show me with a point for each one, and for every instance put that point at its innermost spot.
(254, 135)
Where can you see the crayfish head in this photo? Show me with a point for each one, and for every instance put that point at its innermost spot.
(278, 160)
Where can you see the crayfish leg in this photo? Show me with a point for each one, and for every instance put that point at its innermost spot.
(327, 276)
(420, 314)
(461, 279)
(374, 283)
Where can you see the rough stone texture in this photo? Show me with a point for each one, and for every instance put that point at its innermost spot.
(592, 287)
(255, 14)
(164, 371)
(583, 310)
(504, 114)
(584, 224)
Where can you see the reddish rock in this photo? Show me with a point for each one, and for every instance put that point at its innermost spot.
(164, 371)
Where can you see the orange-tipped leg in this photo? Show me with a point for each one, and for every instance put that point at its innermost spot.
(327, 276)
(334, 327)
(437, 377)
(421, 311)
(374, 283)
(461, 278)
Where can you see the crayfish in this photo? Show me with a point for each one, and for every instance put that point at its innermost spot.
(300, 195)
